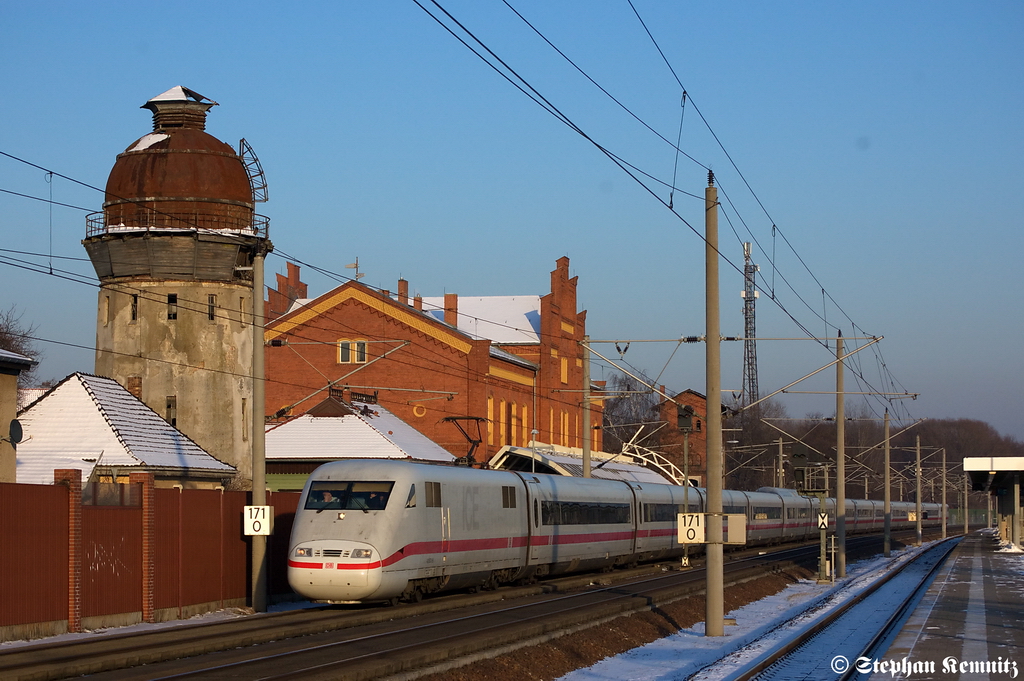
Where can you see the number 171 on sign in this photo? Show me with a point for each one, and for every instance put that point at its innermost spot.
(691, 528)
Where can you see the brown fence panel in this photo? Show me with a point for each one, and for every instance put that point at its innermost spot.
(236, 579)
(284, 504)
(166, 548)
(33, 553)
(202, 564)
(111, 560)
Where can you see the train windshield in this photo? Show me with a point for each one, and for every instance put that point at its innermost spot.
(358, 495)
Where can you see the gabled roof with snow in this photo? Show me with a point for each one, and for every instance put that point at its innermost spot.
(502, 319)
(371, 433)
(87, 421)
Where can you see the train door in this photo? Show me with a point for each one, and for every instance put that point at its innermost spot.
(441, 523)
(446, 535)
(531, 484)
(639, 541)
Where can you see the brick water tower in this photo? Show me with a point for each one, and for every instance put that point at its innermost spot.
(174, 249)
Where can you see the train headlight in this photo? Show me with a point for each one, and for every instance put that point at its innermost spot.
(303, 552)
(361, 553)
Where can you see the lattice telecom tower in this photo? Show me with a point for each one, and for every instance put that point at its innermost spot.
(749, 295)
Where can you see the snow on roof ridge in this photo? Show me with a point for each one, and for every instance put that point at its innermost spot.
(16, 357)
(380, 434)
(103, 412)
(180, 93)
(166, 429)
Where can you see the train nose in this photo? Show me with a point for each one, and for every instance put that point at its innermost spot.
(334, 570)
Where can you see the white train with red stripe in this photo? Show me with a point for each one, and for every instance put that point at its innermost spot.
(371, 530)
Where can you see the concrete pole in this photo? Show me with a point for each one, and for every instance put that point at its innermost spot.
(887, 504)
(1015, 516)
(918, 502)
(586, 407)
(686, 490)
(714, 618)
(782, 471)
(840, 463)
(822, 537)
(943, 492)
(259, 469)
(967, 506)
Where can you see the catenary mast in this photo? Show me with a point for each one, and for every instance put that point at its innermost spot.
(750, 295)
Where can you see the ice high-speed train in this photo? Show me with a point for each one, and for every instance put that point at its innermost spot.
(371, 530)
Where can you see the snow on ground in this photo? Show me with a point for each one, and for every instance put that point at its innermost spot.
(206, 618)
(673, 658)
(767, 622)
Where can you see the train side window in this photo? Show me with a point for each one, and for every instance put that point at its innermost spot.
(536, 513)
(411, 501)
(433, 494)
(508, 496)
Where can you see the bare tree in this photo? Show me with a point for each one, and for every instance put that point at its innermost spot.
(634, 406)
(15, 337)
(750, 445)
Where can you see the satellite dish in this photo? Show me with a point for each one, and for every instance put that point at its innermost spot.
(16, 433)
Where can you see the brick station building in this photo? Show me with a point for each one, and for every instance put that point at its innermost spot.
(671, 438)
(508, 368)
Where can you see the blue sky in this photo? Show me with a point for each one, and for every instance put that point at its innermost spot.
(882, 139)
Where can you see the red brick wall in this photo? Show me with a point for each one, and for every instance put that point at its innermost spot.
(72, 478)
(671, 442)
(148, 528)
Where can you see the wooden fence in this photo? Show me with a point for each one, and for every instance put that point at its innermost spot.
(122, 554)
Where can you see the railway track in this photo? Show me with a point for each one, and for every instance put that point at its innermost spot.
(861, 627)
(370, 642)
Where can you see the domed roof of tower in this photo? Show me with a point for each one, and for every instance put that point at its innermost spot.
(179, 175)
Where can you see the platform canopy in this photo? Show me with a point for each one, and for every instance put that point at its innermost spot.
(993, 473)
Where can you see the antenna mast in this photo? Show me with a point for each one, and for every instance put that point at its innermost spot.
(749, 295)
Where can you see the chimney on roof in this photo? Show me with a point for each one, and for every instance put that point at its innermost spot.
(179, 107)
(403, 291)
(451, 309)
(417, 302)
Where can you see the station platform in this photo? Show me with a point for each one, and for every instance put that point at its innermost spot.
(970, 623)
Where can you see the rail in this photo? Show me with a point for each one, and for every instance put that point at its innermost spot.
(769, 664)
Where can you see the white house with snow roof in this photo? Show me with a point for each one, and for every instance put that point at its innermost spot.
(335, 430)
(93, 424)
